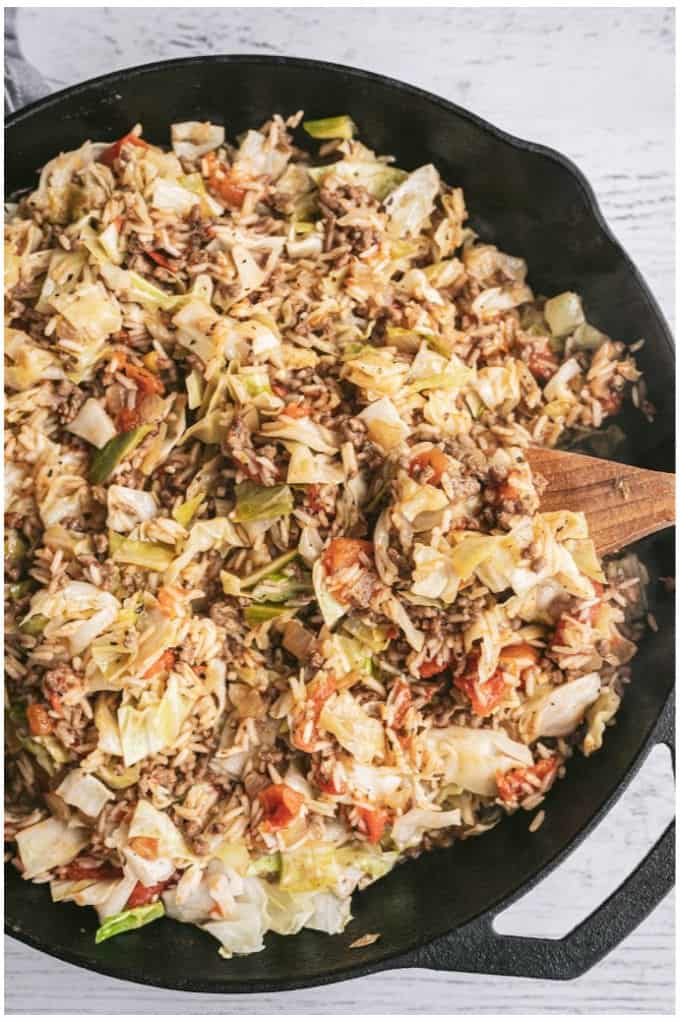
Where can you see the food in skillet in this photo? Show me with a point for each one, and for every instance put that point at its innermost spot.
(282, 610)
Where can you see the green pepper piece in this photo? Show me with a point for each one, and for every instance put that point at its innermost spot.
(106, 459)
(184, 513)
(34, 625)
(130, 919)
(268, 569)
(255, 503)
(118, 781)
(331, 127)
(259, 612)
(15, 547)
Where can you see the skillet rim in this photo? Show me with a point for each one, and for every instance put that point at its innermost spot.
(390, 958)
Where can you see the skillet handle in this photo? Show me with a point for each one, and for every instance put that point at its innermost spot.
(477, 947)
(23, 83)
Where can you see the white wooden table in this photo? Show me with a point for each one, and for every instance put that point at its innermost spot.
(597, 85)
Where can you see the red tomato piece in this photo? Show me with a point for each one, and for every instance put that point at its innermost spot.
(434, 461)
(297, 410)
(39, 720)
(165, 662)
(159, 258)
(103, 871)
(375, 821)
(511, 786)
(281, 805)
(318, 691)
(142, 895)
(110, 155)
(344, 552)
(400, 700)
(429, 668)
(485, 696)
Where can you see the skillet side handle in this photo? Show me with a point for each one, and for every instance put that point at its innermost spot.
(23, 83)
(477, 947)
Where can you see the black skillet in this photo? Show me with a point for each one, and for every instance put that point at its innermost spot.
(436, 912)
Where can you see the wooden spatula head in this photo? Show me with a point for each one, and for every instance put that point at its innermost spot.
(621, 503)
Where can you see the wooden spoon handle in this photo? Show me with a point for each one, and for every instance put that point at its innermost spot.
(621, 503)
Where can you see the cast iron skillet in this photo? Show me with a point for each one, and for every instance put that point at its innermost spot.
(436, 912)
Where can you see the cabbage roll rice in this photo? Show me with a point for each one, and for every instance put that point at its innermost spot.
(282, 610)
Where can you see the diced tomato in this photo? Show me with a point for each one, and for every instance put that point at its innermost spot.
(485, 696)
(512, 785)
(399, 701)
(303, 736)
(297, 410)
(344, 552)
(145, 847)
(281, 805)
(232, 194)
(321, 689)
(39, 720)
(318, 691)
(375, 821)
(328, 785)
(110, 155)
(80, 871)
(429, 668)
(147, 382)
(508, 493)
(142, 895)
(520, 655)
(434, 461)
(169, 600)
(127, 419)
(223, 183)
(165, 662)
(55, 702)
(159, 258)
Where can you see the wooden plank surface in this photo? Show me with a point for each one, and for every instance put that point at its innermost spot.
(597, 85)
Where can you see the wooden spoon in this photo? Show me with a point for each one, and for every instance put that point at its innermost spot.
(621, 503)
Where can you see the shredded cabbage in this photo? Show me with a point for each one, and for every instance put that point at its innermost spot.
(84, 792)
(412, 203)
(470, 757)
(144, 732)
(128, 507)
(92, 423)
(555, 712)
(49, 844)
(191, 139)
(360, 734)
(410, 828)
(564, 313)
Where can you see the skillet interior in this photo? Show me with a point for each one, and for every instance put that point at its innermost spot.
(529, 201)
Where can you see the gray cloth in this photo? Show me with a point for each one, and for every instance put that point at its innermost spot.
(23, 84)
